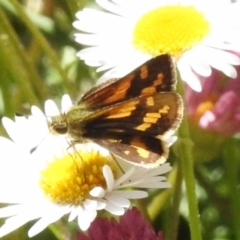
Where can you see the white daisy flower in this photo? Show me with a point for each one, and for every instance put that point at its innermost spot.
(42, 178)
(200, 34)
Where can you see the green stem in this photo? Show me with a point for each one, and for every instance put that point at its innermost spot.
(25, 64)
(162, 198)
(173, 219)
(185, 147)
(141, 205)
(43, 43)
(11, 60)
(231, 158)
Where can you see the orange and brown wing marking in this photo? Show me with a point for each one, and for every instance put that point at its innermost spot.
(156, 75)
(152, 115)
(148, 151)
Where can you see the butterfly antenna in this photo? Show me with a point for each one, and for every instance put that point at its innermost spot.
(117, 163)
(35, 148)
(72, 144)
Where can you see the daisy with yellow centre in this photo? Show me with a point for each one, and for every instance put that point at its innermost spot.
(42, 178)
(195, 33)
(70, 178)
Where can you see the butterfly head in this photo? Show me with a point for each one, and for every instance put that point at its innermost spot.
(70, 122)
(58, 124)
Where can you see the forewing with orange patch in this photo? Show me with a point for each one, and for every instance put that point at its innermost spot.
(156, 75)
(152, 115)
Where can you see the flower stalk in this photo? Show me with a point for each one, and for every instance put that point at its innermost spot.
(231, 166)
(188, 174)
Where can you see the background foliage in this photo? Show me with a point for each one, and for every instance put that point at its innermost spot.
(38, 62)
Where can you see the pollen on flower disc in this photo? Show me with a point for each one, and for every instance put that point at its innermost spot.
(68, 179)
(170, 29)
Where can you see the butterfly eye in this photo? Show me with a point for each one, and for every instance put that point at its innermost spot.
(60, 128)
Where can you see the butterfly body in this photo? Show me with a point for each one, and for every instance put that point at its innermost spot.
(131, 117)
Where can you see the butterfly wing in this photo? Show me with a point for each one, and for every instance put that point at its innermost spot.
(156, 75)
(132, 116)
(152, 115)
(134, 129)
(138, 150)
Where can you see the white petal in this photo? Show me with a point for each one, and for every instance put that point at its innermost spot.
(154, 184)
(66, 103)
(11, 210)
(124, 177)
(97, 192)
(108, 175)
(11, 129)
(100, 205)
(227, 69)
(85, 219)
(87, 24)
(200, 67)
(13, 224)
(45, 221)
(206, 119)
(217, 58)
(188, 76)
(36, 111)
(51, 108)
(162, 169)
(114, 209)
(75, 212)
(120, 201)
(90, 205)
(132, 194)
(6, 147)
(109, 6)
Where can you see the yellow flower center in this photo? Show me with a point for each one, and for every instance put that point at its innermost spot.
(170, 29)
(203, 107)
(207, 104)
(68, 179)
